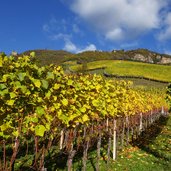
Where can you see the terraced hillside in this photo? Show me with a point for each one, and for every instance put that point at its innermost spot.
(127, 69)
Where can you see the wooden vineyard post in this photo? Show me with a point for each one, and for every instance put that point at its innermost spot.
(86, 146)
(122, 134)
(146, 122)
(151, 121)
(162, 111)
(85, 149)
(61, 139)
(132, 134)
(107, 124)
(109, 147)
(4, 155)
(127, 132)
(114, 139)
(72, 152)
(98, 151)
(141, 125)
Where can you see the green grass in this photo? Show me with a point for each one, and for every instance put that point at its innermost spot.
(128, 68)
(151, 152)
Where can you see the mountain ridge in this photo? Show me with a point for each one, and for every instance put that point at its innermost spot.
(59, 56)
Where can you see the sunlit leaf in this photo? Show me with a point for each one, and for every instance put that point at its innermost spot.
(40, 111)
(65, 102)
(40, 130)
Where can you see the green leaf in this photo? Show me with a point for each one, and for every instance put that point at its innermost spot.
(56, 86)
(50, 75)
(40, 99)
(12, 95)
(37, 83)
(23, 89)
(15, 133)
(32, 54)
(85, 118)
(2, 86)
(4, 127)
(70, 82)
(45, 84)
(4, 92)
(48, 126)
(21, 76)
(65, 102)
(95, 103)
(34, 120)
(10, 102)
(40, 130)
(5, 77)
(40, 111)
(48, 94)
(1, 134)
(83, 109)
(17, 84)
(57, 105)
(0, 61)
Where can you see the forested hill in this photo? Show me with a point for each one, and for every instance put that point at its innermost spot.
(60, 56)
(46, 57)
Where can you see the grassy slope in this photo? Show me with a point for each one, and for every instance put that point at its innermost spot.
(151, 152)
(128, 68)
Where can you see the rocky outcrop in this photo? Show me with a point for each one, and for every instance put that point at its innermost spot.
(165, 60)
(144, 55)
(140, 57)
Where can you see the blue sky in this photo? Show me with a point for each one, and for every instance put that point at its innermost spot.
(79, 25)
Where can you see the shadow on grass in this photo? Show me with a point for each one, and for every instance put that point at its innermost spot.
(149, 136)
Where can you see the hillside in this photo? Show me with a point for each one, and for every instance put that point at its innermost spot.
(100, 62)
(60, 56)
(142, 55)
(46, 57)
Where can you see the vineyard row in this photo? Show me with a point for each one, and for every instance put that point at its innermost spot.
(42, 106)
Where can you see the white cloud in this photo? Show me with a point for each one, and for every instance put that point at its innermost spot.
(166, 33)
(71, 47)
(120, 19)
(115, 34)
(90, 47)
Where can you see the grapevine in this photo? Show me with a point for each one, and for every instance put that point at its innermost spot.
(42, 104)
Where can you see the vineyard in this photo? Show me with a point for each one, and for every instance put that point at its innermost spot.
(124, 69)
(43, 109)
